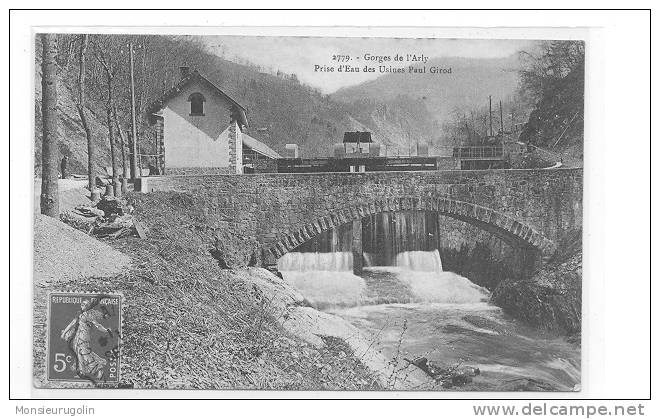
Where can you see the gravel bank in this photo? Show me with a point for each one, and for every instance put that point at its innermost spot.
(62, 254)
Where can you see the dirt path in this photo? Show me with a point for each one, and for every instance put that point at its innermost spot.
(72, 193)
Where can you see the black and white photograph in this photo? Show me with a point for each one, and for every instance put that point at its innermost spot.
(328, 212)
(312, 213)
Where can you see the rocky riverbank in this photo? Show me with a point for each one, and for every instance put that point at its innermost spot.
(552, 298)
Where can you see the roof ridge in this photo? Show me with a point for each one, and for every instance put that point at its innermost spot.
(194, 75)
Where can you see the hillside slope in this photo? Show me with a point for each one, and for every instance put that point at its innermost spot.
(467, 87)
(71, 137)
(399, 123)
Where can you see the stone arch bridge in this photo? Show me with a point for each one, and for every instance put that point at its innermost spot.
(529, 209)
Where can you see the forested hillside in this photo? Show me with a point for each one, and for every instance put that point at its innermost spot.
(281, 109)
(554, 78)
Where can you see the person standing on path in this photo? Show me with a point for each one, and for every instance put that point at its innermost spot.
(63, 166)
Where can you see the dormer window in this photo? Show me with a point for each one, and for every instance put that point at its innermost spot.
(196, 104)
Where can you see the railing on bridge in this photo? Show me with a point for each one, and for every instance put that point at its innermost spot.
(369, 164)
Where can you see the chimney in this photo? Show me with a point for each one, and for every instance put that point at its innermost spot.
(185, 72)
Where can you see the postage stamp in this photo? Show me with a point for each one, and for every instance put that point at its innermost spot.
(84, 337)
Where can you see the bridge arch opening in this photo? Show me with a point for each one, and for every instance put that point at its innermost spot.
(532, 247)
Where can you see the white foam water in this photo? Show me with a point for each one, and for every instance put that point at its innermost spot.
(324, 289)
(419, 261)
(303, 262)
(442, 287)
(325, 279)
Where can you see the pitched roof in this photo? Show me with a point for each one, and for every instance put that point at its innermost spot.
(260, 147)
(239, 110)
(357, 137)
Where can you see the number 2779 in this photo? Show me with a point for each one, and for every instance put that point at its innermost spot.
(341, 58)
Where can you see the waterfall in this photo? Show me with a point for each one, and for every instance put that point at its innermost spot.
(402, 264)
(421, 272)
(325, 279)
(315, 261)
(421, 261)
(385, 236)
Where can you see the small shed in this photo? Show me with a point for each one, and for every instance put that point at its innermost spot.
(357, 137)
(354, 142)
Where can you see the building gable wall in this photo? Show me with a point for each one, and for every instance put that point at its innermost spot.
(196, 141)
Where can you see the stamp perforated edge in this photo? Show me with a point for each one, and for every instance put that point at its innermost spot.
(120, 340)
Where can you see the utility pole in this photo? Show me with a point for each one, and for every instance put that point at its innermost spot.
(501, 119)
(134, 139)
(490, 113)
(139, 161)
(467, 128)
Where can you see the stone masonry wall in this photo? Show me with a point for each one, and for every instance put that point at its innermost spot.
(197, 171)
(269, 206)
(265, 166)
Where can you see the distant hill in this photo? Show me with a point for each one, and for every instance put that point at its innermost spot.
(398, 123)
(467, 87)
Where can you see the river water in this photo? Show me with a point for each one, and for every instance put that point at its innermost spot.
(415, 309)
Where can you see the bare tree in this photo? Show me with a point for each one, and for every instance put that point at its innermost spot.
(49, 155)
(104, 56)
(91, 147)
(122, 145)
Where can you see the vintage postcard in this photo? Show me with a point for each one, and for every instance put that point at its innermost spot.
(307, 212)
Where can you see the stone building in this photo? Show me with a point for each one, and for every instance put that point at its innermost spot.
(201, 130)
